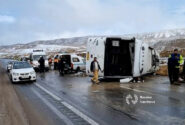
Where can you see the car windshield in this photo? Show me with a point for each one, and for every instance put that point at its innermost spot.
(10, 62)
(21, 65)
(37, 57)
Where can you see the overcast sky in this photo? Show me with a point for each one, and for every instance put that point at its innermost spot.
(23, 21)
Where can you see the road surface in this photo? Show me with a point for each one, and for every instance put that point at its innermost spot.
(74, 100)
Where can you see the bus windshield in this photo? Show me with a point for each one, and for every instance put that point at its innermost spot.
(37, 57)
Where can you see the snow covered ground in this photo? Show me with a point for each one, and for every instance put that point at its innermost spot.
(46, 48)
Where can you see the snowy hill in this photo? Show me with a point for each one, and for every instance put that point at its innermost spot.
(163, 40)
(77, 43)
(163, 35)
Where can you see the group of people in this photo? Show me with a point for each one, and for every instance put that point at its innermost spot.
(59, 64)
(174, 61)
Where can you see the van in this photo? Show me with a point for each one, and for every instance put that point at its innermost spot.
(73, 62)
(121, 57)
(34, 58)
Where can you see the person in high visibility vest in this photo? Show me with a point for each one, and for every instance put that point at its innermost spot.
(56, 62)
(50, 62)
(174, 61)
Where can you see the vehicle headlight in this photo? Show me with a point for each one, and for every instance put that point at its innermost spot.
(16, 74)
(32, 73)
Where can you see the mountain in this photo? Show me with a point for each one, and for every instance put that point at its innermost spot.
(162, 41)
(57, 45)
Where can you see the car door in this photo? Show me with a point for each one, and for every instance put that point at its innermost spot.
(82, 63)
(76, 62)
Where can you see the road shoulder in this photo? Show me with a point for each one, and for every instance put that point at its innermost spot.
(11, 111)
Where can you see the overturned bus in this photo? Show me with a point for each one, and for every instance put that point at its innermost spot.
(121, 57)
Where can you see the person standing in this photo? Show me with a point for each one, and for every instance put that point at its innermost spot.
(183, 73)
(56, 62)
(42, 64)
(50, 62)
(174, 61)
(95, 67)
(61, 66)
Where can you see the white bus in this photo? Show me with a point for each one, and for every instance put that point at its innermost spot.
(121, 57)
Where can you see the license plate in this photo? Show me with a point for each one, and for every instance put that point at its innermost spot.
(25, 77)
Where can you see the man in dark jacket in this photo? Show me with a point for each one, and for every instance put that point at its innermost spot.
(174, 61)
(95, 67)
(61, 65)
(42, 64)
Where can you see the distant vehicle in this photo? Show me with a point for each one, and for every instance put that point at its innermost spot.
(25, 58)
(82, 54)
(35, 56)
(9, 65)
(73, 62)
(121, 57)
(22, 71)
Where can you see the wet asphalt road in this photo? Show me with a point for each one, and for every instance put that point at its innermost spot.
(153, 102)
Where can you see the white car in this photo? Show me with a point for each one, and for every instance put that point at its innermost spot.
(22, 71)
(73, 62)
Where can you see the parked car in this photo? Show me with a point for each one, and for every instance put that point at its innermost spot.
(9, 65)
(22, 71)
(73, 62)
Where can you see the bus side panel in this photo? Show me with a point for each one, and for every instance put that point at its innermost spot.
(146, 63)
(95, 48)
(137, 60)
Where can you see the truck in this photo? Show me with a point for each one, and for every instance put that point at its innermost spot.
(121, 57)
(35, 56)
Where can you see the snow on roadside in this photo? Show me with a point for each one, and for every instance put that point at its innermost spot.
(47, 48)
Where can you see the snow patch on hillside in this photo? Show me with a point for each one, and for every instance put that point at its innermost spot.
(46, 48)
(159, 40)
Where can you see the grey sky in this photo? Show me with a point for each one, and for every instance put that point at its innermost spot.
(23, 21)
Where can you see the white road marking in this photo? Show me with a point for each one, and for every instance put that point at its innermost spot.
(59, 114)
(136, 90)
(48, 92)
(76, 111)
